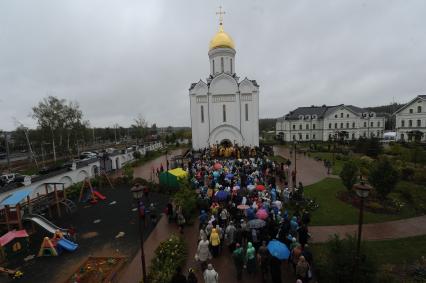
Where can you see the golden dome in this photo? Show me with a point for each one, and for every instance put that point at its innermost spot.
(221, 40)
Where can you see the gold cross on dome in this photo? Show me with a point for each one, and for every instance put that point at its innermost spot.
(220, 13)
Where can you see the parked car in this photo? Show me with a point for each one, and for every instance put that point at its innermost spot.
(87, 155)
(110, 150)
(7, 178)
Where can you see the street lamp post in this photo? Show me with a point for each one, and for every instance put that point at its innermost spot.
(6, 139)
(167, 171)
(137, 192)
(334, 148)
(295, 164)
(362, 190)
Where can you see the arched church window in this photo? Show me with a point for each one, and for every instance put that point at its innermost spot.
(246, 108)
(202, 114)
(222, 65)
(233, 72)
(213, 67)
(224, 112)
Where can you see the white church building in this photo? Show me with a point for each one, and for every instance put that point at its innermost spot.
(224, 110)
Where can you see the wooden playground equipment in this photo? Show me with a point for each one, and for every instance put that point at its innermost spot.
(92, 195)
(20, 203)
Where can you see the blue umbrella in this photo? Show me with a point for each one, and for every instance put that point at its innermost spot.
(278, 250)
(229, 176)
(221, 195)
(250, 213)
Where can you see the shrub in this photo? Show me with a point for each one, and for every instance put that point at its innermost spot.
(137, 154)
(349, 174)
(127, 174)
(407, 173)
(186, 198)
(168, 256)
(336, 263)
(383, 176)
(375, 206)
(73, 191)
(420, 176)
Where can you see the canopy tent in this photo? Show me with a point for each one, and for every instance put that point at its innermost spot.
(172, 177)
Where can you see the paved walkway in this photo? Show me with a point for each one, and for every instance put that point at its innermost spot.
(378, 231)
(133, 271)
(145, 171)
(309, 171)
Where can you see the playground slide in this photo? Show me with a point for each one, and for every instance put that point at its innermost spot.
(44, 223)
(99, 195)
(67, 245)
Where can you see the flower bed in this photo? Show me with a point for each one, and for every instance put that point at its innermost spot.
(97, 270)
(168, 256)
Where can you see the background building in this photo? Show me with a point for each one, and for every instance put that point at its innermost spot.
(224, 109)
(321, 123)
(411, 120)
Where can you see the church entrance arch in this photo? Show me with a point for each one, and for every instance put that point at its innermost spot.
(226, 134)
(226, 143)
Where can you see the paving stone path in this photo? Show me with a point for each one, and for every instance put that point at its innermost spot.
(309, 171)
(378, 231)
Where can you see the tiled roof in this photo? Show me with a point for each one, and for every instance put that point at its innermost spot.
(192, 86)
(313, 110)
(9, 236)
(321, 111)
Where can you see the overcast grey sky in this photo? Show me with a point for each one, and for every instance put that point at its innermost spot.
(124, 57)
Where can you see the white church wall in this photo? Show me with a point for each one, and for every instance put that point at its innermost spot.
(223, 91)
(200, 130)
(250, 126)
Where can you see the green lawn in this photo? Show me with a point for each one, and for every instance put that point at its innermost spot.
(333, 211)
(277, 158)
(338, 164)
(405, 250)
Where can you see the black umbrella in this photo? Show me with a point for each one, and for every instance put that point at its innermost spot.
(256, 224)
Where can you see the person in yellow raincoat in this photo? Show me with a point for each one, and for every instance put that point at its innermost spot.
(215, 242)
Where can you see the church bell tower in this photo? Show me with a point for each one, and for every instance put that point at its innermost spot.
(222, 51)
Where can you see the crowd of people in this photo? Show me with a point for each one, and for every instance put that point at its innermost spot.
(248, 208)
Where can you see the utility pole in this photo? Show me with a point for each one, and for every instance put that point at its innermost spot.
(115, 133)
(6, 139)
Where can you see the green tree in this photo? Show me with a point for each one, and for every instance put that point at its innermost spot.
(337, 262)
(369, 146)
(349, 174)
(186, 198)
(140, 126)
(49, 115)
(154, 129)
(383, 176)
(72, 116)
(58, 118)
